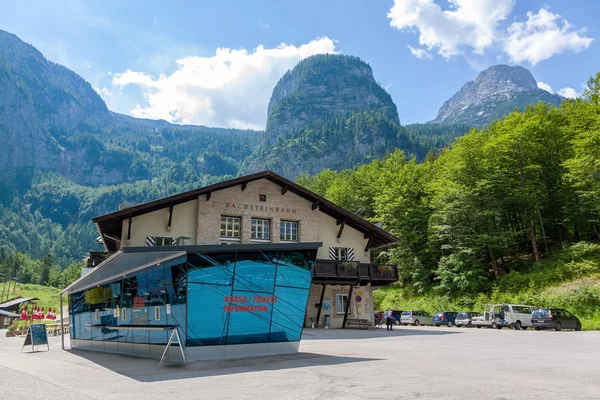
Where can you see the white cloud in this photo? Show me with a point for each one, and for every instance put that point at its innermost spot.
(103, 91)
(466, 24)
(475, 25)
(230, 89)
(545, 86)
(419, 53)
(568, 92)
(543, 35)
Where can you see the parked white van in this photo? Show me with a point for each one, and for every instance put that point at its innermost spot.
(517, 316)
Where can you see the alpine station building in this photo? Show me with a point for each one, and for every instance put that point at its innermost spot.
(238, 268)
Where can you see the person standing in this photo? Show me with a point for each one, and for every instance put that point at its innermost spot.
(388, 319)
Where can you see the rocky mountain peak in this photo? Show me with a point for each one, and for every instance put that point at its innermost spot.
(494, 93)
(322, 87)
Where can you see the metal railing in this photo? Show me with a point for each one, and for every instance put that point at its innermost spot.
(355, 270)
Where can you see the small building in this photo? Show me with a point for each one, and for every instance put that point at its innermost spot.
(7, 318)
(238, 267)
(11, 309)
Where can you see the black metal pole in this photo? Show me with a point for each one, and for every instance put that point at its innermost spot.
(320, 304)
(347, 307)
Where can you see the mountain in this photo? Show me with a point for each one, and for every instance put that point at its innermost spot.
(52, 119)
(39, 99)
(329, 112)
(66, 157)
(495, 92)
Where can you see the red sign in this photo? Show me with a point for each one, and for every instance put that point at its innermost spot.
(139, 302)
(249, 303)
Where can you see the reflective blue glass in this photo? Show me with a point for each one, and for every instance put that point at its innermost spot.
(249, 320)
(255, 271)
(215, 269)
(207, 323)
(288, 314)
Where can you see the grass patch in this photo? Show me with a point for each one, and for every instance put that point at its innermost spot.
(48, 296)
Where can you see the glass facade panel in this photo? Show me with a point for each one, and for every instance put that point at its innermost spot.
(213, 299)
(210, 280)
(250, 318)
(288, 314)
(255, 271)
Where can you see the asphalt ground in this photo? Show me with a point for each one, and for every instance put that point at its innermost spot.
(407, 363)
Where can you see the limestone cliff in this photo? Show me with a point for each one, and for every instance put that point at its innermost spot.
(495, 92)
(327, 112)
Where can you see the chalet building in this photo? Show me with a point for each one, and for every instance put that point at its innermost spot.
(245, 262)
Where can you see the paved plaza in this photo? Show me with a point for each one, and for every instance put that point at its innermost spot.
(408, 363)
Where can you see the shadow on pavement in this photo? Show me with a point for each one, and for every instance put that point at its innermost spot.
(336, 334)
(145, 370)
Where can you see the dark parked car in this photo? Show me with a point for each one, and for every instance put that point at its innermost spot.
(554, 318)
(465, 318)
(396, 314)
(444, 318)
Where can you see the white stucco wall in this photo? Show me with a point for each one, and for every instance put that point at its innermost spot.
(183, 223)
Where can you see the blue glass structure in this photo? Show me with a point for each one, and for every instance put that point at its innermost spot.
(213, 297)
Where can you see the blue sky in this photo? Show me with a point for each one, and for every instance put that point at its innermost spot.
(159, 59)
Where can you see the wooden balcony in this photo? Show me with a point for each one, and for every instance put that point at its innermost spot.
(352, 272)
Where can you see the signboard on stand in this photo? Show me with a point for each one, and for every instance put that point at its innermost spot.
(36, 336)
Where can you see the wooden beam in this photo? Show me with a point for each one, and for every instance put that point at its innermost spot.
(316, 205)
(347, 307)
(342, 224)
(170, 217)
(320, 304)
(114, 239)
(208, 196)
(129, 227)
(369, 243)
(244, 186)
(284, 190)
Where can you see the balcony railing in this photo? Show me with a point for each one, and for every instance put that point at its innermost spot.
(354, 271)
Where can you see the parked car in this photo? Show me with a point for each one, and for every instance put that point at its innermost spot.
(396, 315)
(464, 318)
(444, 318)
(415, 317)
(554, 318)
(498, 316)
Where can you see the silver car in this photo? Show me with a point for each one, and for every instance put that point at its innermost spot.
(415, 318)
(466, 318)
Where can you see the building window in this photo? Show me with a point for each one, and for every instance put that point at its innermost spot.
(288, 231)
(230, 227)
(184, 241)
(340, 303)
(340, 253)
(163, 241)
(260, 229)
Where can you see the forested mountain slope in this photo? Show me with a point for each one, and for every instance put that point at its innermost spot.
(329, 112)
(497, 203)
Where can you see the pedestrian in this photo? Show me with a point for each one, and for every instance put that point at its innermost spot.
(388, 319)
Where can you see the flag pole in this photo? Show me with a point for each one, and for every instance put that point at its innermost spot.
(62, 325)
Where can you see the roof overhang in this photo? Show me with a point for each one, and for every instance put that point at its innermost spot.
(110, 225)
(17, 302)
(132, 259)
